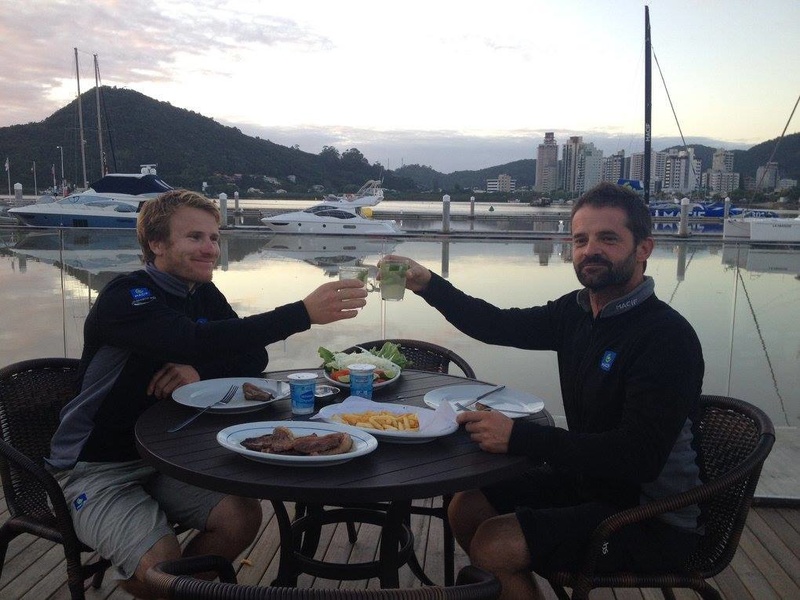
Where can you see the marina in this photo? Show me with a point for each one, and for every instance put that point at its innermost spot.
(742, 299)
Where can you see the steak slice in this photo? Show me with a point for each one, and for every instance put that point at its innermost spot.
(282, 440)
(331, 443)
(262, 443)
(254, 393)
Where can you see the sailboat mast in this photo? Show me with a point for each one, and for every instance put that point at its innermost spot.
(80, 121)
(99, 128)
(647, 106)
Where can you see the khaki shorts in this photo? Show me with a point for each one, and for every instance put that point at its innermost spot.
(122, 509)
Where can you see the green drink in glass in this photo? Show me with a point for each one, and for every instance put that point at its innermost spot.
(393, 279)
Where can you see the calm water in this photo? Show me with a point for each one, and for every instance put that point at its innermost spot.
(744, 302)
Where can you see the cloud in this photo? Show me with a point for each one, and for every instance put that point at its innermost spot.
(138, 43)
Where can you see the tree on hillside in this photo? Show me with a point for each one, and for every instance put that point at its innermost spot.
(353, 159)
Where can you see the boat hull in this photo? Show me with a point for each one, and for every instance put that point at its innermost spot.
(785, 231)
(775, 230)
(320, 228)
(328, 219)
(122, 215)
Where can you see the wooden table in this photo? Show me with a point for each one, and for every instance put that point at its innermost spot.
(393, 473)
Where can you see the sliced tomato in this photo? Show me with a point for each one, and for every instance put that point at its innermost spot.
(342, 375)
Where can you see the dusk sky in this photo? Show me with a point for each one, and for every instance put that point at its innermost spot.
(451, 84)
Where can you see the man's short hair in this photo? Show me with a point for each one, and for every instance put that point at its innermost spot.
(606, 194)
(152, 224)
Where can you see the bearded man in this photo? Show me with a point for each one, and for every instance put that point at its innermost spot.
(631, 373)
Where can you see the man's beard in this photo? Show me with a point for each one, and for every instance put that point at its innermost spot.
(612, 275)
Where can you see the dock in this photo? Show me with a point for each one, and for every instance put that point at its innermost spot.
(766, 565)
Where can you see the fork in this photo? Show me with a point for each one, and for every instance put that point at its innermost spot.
(224, 400)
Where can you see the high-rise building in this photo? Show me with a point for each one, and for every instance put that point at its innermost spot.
(569, 162)
(658, 165)
(581, 165)
(614, 167)
(720, 178)
(590, 167)
(720, 182)
(682, 172)
(722, 160)
(547, 164)
(767, 176)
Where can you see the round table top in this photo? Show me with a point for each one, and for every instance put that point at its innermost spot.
(444, 465)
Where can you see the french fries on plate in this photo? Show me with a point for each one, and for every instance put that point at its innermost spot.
(382, 420)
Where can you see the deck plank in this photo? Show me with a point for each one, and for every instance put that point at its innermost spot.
(766, 565)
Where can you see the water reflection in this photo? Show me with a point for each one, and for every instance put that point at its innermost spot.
(743, 301)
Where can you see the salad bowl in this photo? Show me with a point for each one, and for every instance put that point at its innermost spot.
(388, 363)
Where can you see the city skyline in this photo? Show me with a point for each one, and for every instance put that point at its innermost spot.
(442, 84)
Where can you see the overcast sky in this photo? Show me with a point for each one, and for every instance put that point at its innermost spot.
(451, 84)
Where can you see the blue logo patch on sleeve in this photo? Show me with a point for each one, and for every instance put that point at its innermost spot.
(202, 320)
(141, 295)
(608, 360)
(80, 501)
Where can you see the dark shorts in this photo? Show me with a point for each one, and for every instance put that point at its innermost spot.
(557, 523)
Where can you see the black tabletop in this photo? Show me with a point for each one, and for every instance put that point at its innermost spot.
(392, 472)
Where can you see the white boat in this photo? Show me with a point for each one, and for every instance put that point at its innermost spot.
(112, 201)
(370, 194)
(782, 230)
(328, 219)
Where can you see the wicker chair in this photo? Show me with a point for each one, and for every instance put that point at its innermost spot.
(32, 394)
(172, 579)
(734, 440)
(423, 356)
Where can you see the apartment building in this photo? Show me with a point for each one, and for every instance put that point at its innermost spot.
(547, 164)
(503, 183)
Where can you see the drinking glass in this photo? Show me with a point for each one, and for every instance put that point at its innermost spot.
(359, 272)
(393, 279)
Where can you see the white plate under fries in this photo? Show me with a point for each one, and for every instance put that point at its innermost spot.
(518, 404)
(429, 429)
(204, 393)
(231, 438)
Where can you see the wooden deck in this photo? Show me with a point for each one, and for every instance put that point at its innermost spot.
(767, 564)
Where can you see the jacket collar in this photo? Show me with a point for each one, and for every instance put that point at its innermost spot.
(622, 304)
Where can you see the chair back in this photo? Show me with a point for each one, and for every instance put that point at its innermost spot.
(734, 439)
(423, 356)
(32, 394)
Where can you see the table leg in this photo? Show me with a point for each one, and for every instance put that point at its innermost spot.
(390, 541)
(287, 569)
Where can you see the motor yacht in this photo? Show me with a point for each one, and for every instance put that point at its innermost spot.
(112, 201)
(328, 219)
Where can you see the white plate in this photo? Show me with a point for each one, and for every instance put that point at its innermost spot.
(203, 393)
(375, 385)
(231, 438)
(429, 429)
(518, 404)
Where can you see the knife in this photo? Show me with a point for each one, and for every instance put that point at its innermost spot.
(481, 397)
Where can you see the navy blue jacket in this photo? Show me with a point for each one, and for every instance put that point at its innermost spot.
(139, 322)
(630, 381)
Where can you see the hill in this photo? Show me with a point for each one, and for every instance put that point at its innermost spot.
(188, 148)
(191, 149)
